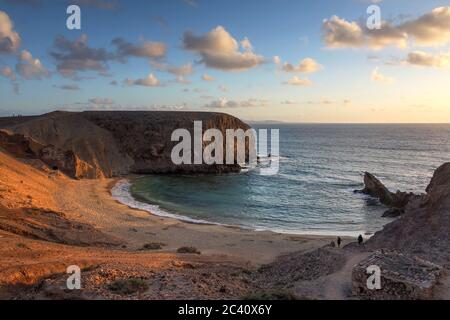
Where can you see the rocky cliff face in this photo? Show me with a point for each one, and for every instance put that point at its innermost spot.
(108, 144)
(424, 229)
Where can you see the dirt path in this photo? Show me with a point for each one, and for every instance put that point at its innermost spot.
(338, 285)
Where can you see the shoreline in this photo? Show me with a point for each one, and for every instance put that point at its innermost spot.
(139, 227)
(120, 191)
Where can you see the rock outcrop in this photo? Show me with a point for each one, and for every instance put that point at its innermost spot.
(424, 229)
(66, 161)
(402, 277)
(108, 144)
(395, 201)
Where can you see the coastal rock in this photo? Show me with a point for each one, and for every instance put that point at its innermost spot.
(403, 277)
(146, 137)
(396, 201)
(424, 229)
(112, 143)
(393, 213)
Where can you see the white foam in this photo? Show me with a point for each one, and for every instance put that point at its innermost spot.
(122, 193)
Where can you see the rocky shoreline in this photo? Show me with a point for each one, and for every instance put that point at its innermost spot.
(49, 220)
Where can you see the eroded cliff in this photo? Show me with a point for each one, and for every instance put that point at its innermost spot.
(108, 144)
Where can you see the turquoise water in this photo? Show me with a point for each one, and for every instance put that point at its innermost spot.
(320, 167)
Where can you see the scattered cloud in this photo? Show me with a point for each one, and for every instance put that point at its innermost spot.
(182, 80)
(101, 101)
(277, 60)
(113, 83)
(149, 81)
(147, 49)
(327, 102)
(219, 50)
(225, 103)
(380, 78)
(183, 70)
(7, 72)
(339, 33)
(30, 68)
(68, 87)
(296, 81)
(76, 56)
(223, 88)
(179, 71)
(424, 59)
(430, 29)
(307, 65)
(9, 39)
(208, 78)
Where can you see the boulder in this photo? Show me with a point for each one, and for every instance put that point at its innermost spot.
(396, 201)
(403, 277)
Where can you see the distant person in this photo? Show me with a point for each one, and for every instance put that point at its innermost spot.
(339, 241)
(360, 240)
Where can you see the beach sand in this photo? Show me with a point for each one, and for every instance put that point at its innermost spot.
(48, 222)
(90, 201)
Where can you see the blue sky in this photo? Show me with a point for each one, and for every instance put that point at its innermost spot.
(342, 80)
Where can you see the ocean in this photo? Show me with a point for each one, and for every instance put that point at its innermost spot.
(320, 167)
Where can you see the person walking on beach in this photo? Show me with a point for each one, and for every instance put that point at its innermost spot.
(360, 240)
(339, 241)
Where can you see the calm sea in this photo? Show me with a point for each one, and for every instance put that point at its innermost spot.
(320, 167)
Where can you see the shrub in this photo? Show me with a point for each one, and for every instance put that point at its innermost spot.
(192, 250)
(128, 286)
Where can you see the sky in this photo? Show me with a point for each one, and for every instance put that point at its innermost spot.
(292, 61)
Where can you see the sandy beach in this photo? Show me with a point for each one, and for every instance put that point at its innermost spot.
(27, 183)
(57, 211)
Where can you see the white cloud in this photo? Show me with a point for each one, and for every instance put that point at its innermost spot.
(224, 103)
(296, 81)
(207, 77)
(307, 65)
(101, 101)
(380, 78)
(223, 88)
(339, 33)
(219, 50)
(30, 68)
(149, 81)
(9, 39)
(430, 29)
(7, 72)
(424, 59)
(146, 49)
(277, 60)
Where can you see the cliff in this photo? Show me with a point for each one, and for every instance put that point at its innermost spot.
(108, 144)
(424, 229)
